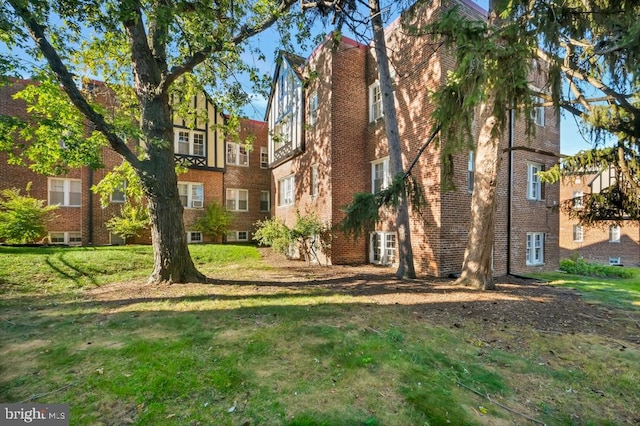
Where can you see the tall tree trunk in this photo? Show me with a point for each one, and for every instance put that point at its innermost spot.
(405, 252)
(476, 267)
(172, 260)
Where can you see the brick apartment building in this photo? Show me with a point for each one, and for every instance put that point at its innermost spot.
(603, 243)
(199, 145)
(327, 142)
(247, 180)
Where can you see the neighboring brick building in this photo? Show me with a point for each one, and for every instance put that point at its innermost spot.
(603, 243)
(247, 179)
(80, 219)
(327, 142)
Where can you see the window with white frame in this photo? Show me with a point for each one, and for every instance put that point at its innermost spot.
(535, 248)
(65, 192)
(265, 201)
(191, 194)
(614, 234)
(380, 174)
(577, 199)
(375, 102)
(615, 261)
(537, 112)
(578, 233)
(314, 181)
(194, 237)
(264, 158)
(286, 188)
(237, 154)
(189, 142)
(382, 248)
(71, 238)
(118, 195)
(534, 185)
(282, 133)
(471, 167)
(237, 200)
(237, 236)
(313, 108)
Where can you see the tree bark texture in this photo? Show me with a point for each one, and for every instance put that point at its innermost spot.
(172, 260)
(476, 267)
(405, 252)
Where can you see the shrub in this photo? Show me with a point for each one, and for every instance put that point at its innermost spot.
(580, 267)
(309, 232)
(23, 219)
(132, 221)
(273, 232)
(215, 222)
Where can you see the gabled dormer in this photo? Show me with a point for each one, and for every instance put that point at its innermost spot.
(198, 139)
(285, 110)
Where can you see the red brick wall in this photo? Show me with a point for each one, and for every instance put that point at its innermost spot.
(252, 178)
(595, 245)
(79, 219)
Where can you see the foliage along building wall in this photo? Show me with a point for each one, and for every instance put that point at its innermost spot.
(345, 152)
(80, 219)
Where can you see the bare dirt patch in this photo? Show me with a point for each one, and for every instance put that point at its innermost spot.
(517, 302)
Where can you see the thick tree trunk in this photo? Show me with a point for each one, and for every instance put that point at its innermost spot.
(172, 260)
(476, 267)
(405, 252)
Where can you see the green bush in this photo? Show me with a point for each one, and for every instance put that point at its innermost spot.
(215, 222)
(23, 219)
(132, 221)
(273, 232)
(580, 267)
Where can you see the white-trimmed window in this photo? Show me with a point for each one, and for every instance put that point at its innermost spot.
(265, 201)
(194, 237)
(535, 248)
(118, 195)
(380, 174)
(534, 185)
(471, 168)
(116, 240)
(286, 187)
(615, 261)
(614, 234)
(537, 113)
(282, 133)
(578, 233)
(71, 238)
(189, 142)
(314, 181)
(237, 154)
(382, 248)
(577, 199)
(375, 102)
(237, 200)
(237, 236)
(264, 158)
(313, 108)
(191, 194)
(65, 192)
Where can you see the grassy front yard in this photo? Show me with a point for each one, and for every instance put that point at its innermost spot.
(263, 344)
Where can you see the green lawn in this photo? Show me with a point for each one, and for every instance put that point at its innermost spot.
(242, 351)
(617, 292)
